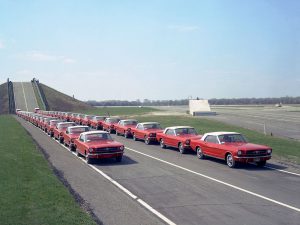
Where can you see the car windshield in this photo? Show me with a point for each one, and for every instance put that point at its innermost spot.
(130, 122)
(98, 137)
(54, 122)
(152, 126)
(183, 131)
(88, 117)
(99, 118)
(66, 125)
(113, 120)
(77, 130)
(231, 138)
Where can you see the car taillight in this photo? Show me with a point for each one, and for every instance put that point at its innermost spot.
(187, 142)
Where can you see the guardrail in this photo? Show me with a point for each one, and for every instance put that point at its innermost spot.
(11, 97)
(41, 93)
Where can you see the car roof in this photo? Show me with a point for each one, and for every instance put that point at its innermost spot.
(95, 132)
(221, 133)
(80, 126)
(177, 127)
(65, 123)
(128, 120)
(145, 123)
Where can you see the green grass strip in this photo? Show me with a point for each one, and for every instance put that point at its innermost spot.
(30, 192)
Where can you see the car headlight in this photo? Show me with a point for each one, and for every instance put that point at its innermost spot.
(91, 150)
(122, 148)
(187, 142)
(239, 152)
(269, 151)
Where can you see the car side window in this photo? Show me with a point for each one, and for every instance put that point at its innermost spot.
(81, 138)
(212, 139)
(170, 132)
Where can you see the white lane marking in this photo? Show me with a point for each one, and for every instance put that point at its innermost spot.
(125, 190)
(24, 96)
(218, 181)
(283, 171)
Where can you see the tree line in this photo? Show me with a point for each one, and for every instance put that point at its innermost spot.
(214, 101)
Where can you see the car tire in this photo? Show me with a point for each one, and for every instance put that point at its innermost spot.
(162, 143)
(230, 161)
(77, 152)
(126, 135)
(134, 137)
(147, 141)
(200, 154)
(261, 163)
(119, 158)
(61, 140)
(181, 148)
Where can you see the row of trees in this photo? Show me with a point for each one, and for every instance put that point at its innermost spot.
(214, 101)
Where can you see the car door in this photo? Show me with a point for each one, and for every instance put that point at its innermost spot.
(139, 131)
(212, 146)
(169, 137)
(81, 145)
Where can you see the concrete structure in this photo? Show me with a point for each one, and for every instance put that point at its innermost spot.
(200, 108)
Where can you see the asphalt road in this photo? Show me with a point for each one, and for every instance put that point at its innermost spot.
(24, 96)
(281, 122)
(181, 187)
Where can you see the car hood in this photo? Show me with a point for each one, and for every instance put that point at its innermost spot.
(103, 144)
(247, 146)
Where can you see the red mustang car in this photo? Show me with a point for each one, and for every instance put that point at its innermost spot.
(97, 121)
(72, 133)
(110, 123)
(146, 131)
(97, 145)
(124, 127)
(177, 137)
(79, 119)
(60, 128)
(232, 147)
(51, 125)
(87, 120)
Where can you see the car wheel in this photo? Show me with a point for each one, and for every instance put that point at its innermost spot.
(200, 154)
(134, 137)
(230, 161)
(61, 140)
(147, 141)
(126, 135)
(119, 158)
(162, 143)
(88, 159)
(181, 148)
(77, 152)
(261, 163)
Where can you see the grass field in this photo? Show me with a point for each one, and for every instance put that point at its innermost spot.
(282, 148)
(119, 111)
(30, 192)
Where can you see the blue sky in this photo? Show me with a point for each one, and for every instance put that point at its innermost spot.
(158, 49)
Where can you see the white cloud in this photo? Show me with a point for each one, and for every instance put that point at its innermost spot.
(1, 44)
(183, 28)
(44, 57)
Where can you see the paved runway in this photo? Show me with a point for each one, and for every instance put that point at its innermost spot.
(24, 96)
(181, 187)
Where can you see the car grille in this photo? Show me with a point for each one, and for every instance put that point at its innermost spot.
(256, 153)
(107, 150)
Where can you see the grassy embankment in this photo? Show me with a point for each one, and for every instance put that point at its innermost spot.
(38, 98)
(282, 148)
(30, 192)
